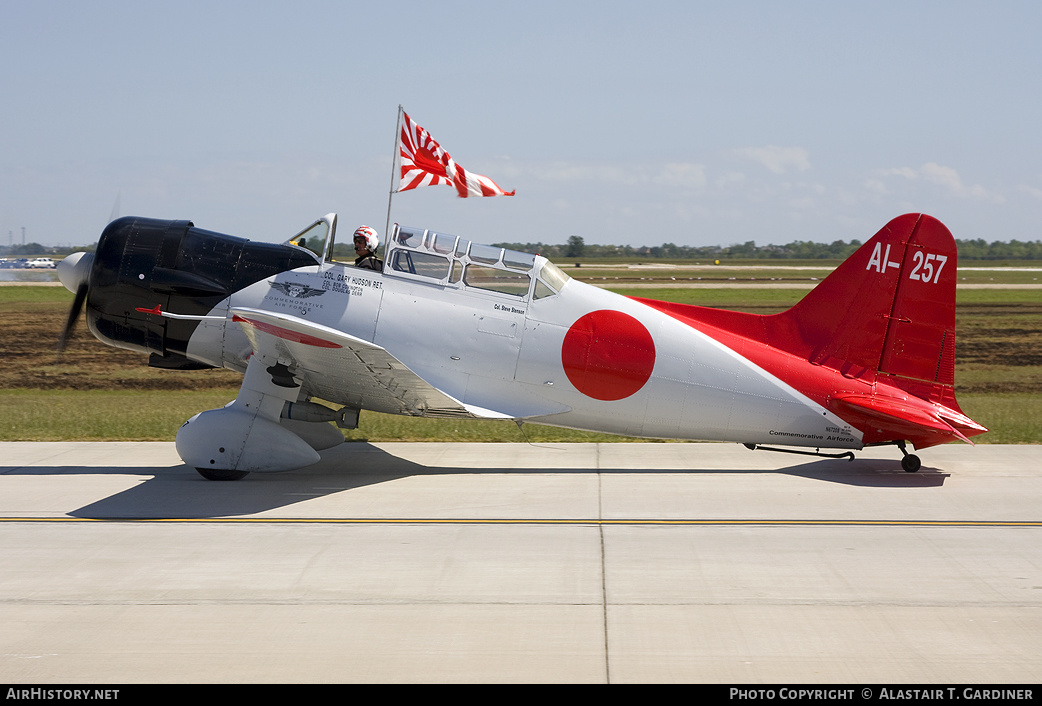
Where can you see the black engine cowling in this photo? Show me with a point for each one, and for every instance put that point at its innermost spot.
(145, 262)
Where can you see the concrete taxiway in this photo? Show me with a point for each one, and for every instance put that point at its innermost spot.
(422, 562)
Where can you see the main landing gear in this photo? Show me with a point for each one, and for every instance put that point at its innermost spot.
(221, 474)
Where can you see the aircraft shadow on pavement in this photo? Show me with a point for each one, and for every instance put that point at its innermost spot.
(179, 492)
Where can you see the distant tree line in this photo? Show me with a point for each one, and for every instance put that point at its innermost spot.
(798, 250)
(576, 247)
(34, 250)
(980, 249)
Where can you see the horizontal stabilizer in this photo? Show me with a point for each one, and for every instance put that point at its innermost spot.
(925, 424)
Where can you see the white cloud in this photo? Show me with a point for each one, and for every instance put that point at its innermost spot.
(778, 159)
(906, 172)
(685, 175)
(730, 179)
(939, 175)
(942, 176)
(1033, 190)
(876, 186)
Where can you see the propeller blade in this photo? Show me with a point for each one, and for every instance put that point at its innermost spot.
(74, 315)
(115, 209)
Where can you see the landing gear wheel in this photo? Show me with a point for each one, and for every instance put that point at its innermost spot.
(911, 463)
(221, 474)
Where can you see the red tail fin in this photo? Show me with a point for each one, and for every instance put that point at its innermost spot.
(889, 308)
(884, 320)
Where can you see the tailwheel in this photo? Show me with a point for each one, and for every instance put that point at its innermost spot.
(911, 463)
(221, 474)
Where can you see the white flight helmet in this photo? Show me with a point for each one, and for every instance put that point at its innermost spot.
(372, 240)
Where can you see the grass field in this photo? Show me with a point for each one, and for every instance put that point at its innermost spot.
(131, 415)
(99, 393)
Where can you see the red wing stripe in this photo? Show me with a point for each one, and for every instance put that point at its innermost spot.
(288, 334)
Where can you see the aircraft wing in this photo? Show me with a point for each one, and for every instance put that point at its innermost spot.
(335, 366)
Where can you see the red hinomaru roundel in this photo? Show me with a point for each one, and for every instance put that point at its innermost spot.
(608, 355)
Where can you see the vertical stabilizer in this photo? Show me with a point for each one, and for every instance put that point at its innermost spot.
(889, 308)
(878, 333)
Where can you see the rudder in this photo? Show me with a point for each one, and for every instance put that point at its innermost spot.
(920, 340)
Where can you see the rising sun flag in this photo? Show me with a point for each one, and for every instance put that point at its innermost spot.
(424, 163)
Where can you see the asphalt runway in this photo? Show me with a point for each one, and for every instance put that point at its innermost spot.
(425, 562)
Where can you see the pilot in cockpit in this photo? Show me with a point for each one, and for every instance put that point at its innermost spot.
(366, 242)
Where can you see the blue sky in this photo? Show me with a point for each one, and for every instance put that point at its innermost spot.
(623, 122)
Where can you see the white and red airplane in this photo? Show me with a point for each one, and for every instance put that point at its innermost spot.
(451, 328)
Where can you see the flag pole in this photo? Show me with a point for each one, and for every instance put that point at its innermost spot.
(394, 170)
